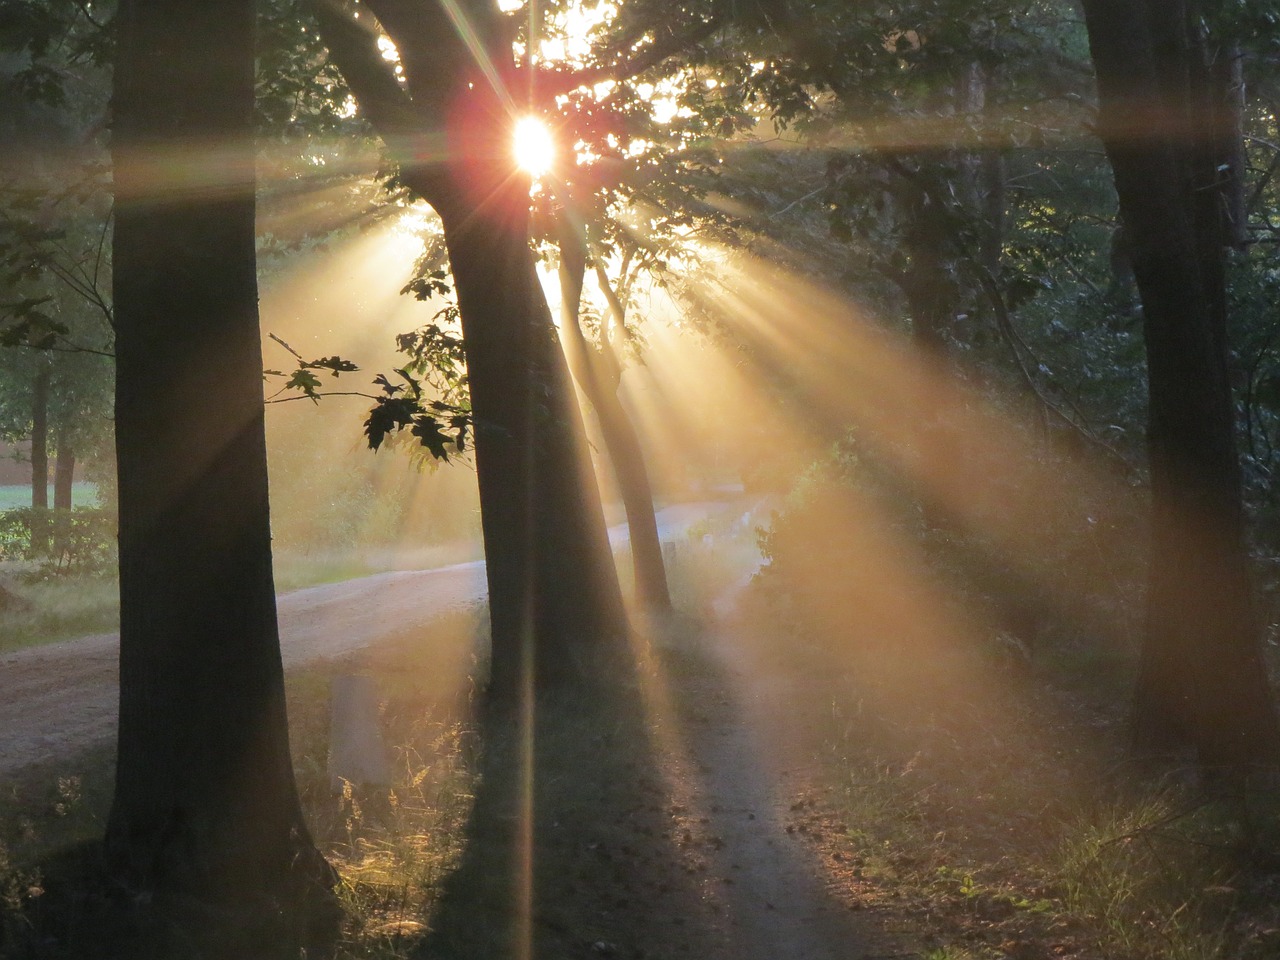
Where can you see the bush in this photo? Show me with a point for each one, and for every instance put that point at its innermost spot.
(79, 542)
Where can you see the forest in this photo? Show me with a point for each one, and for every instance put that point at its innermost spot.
(648, 479)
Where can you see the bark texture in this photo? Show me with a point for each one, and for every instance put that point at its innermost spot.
(205, 807)
(1202, 681)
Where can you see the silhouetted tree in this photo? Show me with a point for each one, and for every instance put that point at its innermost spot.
(1168, 136)
(599, 374)
(205, 804)
(554, 600)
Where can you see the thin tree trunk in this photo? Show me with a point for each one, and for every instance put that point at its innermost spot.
(40, 439)
(600, 381)
(64, 472)
(1202, 680)
(205, 804)
(40, 462)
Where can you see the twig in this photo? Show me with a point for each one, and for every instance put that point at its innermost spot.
(276, 398)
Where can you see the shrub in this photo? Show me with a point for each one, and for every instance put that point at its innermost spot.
(80, 542)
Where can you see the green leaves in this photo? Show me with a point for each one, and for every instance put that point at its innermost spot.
(303, 379)
(427, 286)
(441, 428)
(24, 324)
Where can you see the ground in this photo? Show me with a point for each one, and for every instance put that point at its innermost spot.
(728, 795)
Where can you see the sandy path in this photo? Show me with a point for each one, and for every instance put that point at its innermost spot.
(55, 700)
(746, 771)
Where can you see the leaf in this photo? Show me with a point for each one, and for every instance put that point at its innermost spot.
(388, 415)
(427, 430)
(304, 380)
(336, 364)
(33, 329)
(389, 388)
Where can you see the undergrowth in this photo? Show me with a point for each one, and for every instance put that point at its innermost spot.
(974, 733)
(1020, 828)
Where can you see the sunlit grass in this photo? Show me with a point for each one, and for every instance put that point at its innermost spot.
(1154, 875)
(59, 609)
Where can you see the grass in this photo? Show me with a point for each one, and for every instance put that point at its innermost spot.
(1009, 823)
(54, 610)
(58, 609)
(999, 825)
(392, 846)
(431, 851)
(19, 495)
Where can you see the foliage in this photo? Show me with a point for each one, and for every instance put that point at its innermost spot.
(78, 542)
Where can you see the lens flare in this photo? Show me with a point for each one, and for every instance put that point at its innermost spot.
(533, 146)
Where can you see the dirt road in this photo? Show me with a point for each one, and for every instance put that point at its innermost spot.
(58, 699)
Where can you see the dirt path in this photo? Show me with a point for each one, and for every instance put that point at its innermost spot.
(748, 778)
(58, 699)
(753, 781)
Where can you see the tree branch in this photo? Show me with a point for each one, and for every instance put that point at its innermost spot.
(411, 129)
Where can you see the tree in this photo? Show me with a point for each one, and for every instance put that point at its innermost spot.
(1161, 118)
(54, 318)
(598, 372)
(554, 600)
(205, 805)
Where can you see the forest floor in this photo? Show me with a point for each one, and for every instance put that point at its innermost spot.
(730, 797)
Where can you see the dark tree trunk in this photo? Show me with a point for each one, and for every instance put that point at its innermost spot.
(64, 472)
(64, 475)
(40, 462)
(1202, 681)
(554, 601)
(931, 295)
(600, 377)
(205, 804)
(40, 440)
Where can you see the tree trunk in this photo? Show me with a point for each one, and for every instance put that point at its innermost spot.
(205, 804)
(600, 378)
(64, 472)
(554, 601)
(40, 439)
(1202, 681)
(40, 462)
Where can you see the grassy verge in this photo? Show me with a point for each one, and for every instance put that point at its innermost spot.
(393, 847)
(1009, 819)
(434, 851)
(54, 610)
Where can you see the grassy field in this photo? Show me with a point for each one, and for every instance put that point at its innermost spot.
(19, 495)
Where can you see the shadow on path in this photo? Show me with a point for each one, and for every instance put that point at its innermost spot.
(658, 828)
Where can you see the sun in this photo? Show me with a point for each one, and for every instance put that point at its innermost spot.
(533, 146)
